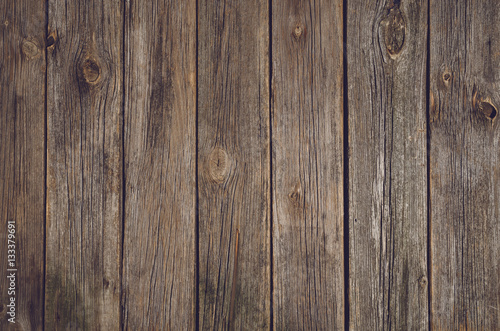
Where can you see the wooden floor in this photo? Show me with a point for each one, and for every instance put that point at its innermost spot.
(250, 165)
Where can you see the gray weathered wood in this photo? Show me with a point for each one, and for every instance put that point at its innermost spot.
(159, 259)
(84, 176)
(22, 154)
(465, 164)
(233, 165)
(307, 133)
(386, 55)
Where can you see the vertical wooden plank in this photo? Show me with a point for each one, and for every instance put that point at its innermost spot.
(307, 133)
(160, 188)
(386, 55)
(465, 164)
(22, 161)
(84, 174)
(233, 164)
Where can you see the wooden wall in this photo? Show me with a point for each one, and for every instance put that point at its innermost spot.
(250, 164)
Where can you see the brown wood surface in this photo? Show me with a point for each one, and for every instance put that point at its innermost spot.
(22, 158)
(160, 189)
(465, 164)
(84, 158)
(307, 140)
(234, 165)
(251, 164)
(386, 56)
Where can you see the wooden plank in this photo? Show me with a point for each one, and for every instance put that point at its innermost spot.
(386, 55)
(465, 164)
(307, 133)
(233, 165)
(22, 160)
(84, 172)
(160, 161)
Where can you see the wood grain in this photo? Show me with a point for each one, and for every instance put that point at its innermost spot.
(22, 158)
(386, 72)
(465, 164)
(159, 260)
(233, 165)
(307, 133)
(84, 172)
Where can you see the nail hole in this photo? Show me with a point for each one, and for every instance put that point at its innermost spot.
(446, 77)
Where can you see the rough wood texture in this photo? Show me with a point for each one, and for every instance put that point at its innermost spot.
(465, 164)
(159, 259)
(387, 54)
(22, 157)
(307, 133)
(84, 176)
(233, 165)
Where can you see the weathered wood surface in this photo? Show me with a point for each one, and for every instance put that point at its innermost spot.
(465, 164)
(386, 56)
(84, 162)
(234, 165)
(307, 140)
(22, 158)
(160, 189)
(227, 164)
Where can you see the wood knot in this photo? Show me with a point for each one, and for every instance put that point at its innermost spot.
(298, 31)
(30, 49)
(105, 283)
(394, 31)
(295, 195)
(218, 165)
(483, 105)
(91, 70)
(447, 78)
(422, 281)
(51, 40)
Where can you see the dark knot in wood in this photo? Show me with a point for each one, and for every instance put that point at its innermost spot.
(298, 31)
(422, 281)
(50, 41)
(30, 49)
(447, 78)
(483, 105)
(394, 31)
(90, 70)
(218, 165)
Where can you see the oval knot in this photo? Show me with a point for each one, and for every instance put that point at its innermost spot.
(218, 165)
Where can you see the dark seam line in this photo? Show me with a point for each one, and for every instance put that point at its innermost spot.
(346, 168)
(124, 90)
(45, 165)
(428, 136)
(270, 123)
(197, 197)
